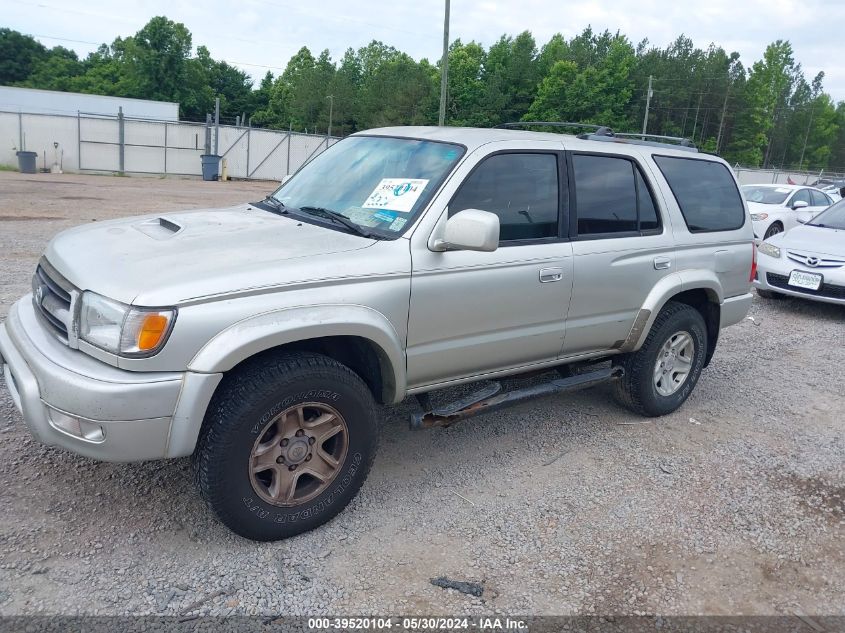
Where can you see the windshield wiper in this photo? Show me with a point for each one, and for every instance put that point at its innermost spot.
(339, 218)
(273, 204)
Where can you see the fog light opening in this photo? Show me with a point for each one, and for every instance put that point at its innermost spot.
(83, 429)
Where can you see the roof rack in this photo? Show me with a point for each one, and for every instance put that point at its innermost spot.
(600, 130)
(604, 133)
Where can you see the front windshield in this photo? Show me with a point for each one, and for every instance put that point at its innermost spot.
(378, 182)
(831, 218)
(765, 195)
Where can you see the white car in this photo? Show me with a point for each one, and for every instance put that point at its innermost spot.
(774, 208)
(834, 191)
(808, 261)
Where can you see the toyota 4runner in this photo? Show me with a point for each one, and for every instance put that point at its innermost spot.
(261, 339)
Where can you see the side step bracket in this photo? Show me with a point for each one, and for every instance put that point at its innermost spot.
(490, 399)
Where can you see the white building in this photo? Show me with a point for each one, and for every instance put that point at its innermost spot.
(33, 101)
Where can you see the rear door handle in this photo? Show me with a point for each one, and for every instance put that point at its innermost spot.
(662, 263)
(548, 275)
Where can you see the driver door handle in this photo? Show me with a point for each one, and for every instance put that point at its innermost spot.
(548, 275)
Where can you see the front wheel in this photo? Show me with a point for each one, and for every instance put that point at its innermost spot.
(774, 229)
(286, 444)
(660, 376)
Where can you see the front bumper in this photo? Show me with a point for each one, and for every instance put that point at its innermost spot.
(120, 415)
(831, 291)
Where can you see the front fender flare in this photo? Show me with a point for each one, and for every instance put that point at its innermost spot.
(259, 333)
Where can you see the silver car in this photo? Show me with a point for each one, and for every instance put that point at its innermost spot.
(808, 261)
(261, 339)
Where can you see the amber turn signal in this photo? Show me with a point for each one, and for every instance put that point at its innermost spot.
(152, 330)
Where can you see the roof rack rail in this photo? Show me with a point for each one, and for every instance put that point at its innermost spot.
(600, 130)
(683, 142)
(604, 133)
(637, 139)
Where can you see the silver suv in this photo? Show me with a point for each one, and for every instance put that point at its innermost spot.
(261, 338)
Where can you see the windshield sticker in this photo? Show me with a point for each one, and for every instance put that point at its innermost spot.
(385, 216)
(396, 194)
(782, 190)
(363, 217)
(397, 224)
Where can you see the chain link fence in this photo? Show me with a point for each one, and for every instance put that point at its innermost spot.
(116, 144)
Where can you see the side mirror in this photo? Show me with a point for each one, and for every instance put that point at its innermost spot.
(800, 204)
(470, 230)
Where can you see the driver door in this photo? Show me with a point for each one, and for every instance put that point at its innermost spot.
(473, 313)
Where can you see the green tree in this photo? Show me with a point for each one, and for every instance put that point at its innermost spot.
(597, 93)
(466, 86)
(19, 55)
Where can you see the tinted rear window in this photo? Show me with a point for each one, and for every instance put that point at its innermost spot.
(706, 193)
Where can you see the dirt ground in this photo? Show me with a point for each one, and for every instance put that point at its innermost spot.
(567, 505)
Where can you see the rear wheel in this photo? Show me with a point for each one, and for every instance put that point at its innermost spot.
(660, 376)
(286, 445)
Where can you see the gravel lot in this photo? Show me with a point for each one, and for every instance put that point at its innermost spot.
(567, 505)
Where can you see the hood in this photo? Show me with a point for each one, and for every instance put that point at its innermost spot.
(812, 239)
(170, 258)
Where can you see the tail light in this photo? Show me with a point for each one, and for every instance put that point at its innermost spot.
(753, 275)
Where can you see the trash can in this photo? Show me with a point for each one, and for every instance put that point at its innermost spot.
(210, 166)
(26, 162)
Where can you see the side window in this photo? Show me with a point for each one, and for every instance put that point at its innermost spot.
(522, 189)
(819, 199)
(611, 196)
(802, 195)
(706, 193)
(648, 210)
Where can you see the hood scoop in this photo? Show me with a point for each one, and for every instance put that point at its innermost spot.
(159, 228)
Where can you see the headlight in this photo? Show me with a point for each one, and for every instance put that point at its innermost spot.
(769, 249)
(122, 329)
(759, 216)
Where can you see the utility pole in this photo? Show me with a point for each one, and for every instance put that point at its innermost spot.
(444, 68)
(647, 104)
(331, 112)
(722, 120)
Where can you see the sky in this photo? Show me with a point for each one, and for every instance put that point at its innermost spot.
(261, 35)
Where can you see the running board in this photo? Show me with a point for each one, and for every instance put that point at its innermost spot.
(489, 399)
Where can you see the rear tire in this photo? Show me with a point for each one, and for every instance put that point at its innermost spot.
(660, 376)
(286, 444)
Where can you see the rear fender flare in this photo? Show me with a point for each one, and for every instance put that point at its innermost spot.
(663, 291)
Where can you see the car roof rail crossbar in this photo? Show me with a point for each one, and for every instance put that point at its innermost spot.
(599, 130)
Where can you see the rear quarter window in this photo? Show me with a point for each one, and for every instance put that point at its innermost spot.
(706, 193)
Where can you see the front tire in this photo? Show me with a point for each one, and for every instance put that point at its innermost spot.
(774, 229)
(660, 376)
(286, 444)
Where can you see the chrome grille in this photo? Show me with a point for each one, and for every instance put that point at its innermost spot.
(815, 261)
(53, 298)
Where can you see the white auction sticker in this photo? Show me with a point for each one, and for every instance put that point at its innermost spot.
(396, 194)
